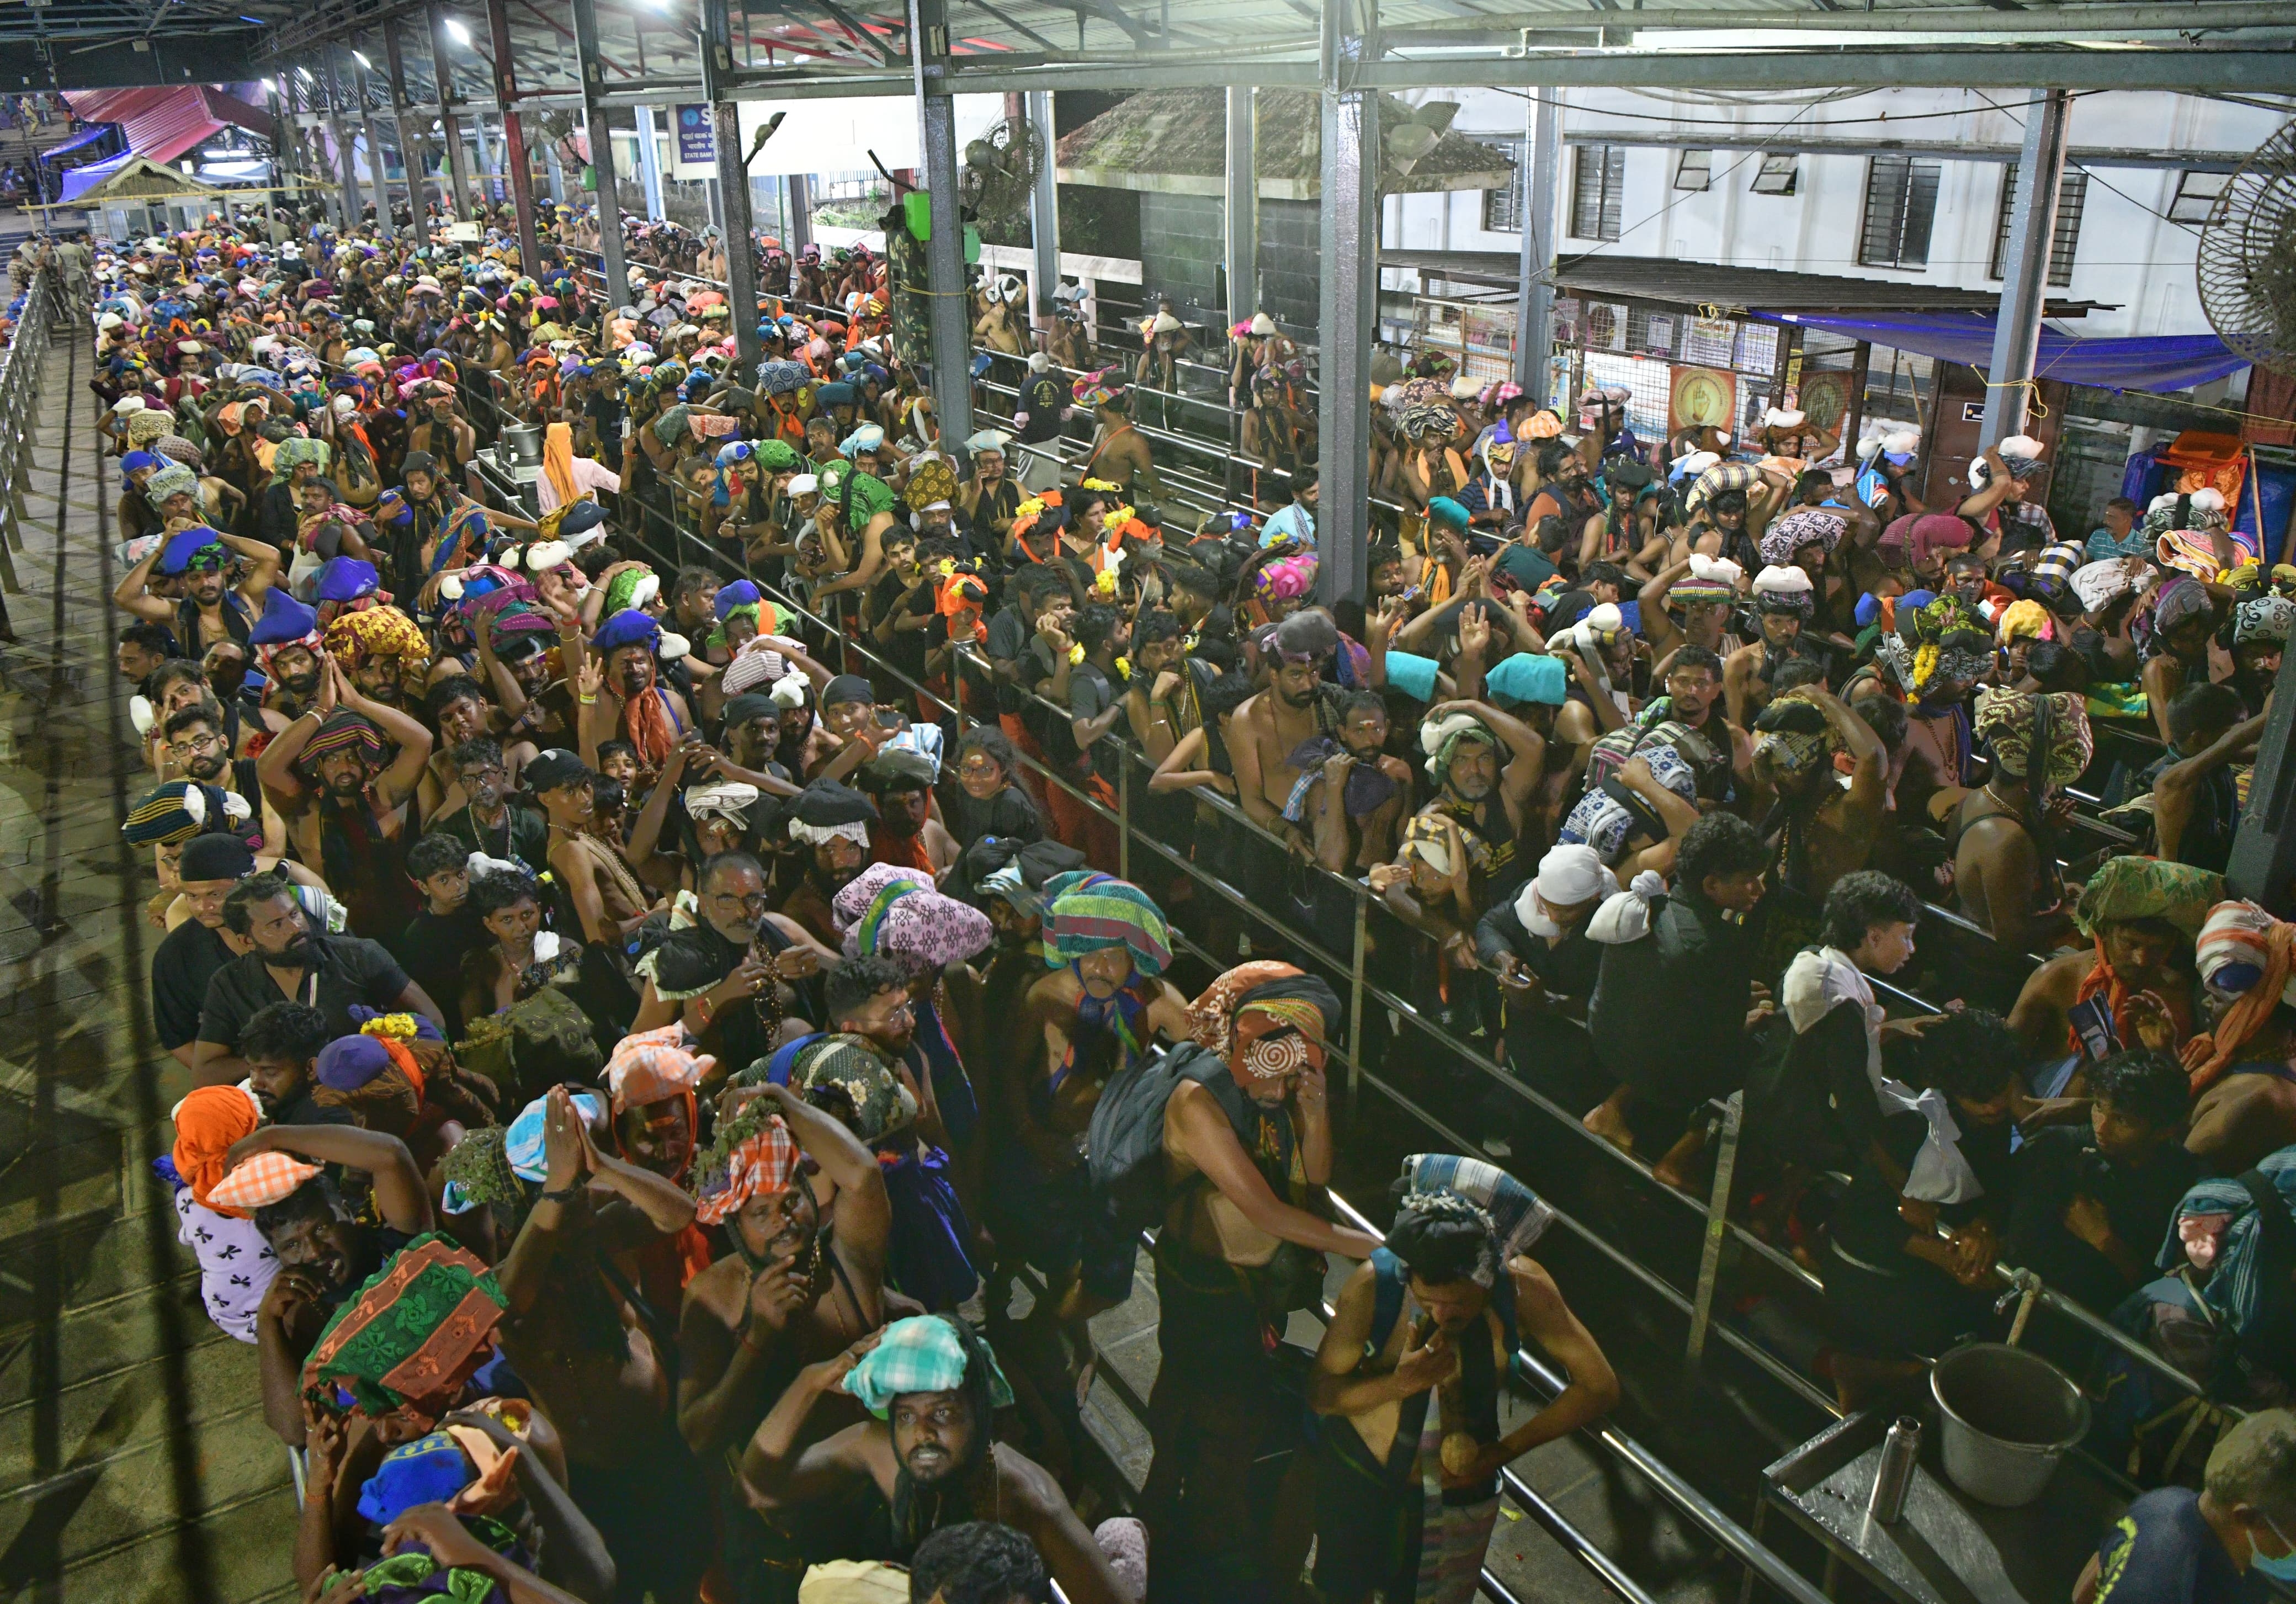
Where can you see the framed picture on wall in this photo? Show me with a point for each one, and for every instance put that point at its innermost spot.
(1701, 398)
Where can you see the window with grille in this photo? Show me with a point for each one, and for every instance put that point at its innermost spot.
(1777, 176)
(1901, 205)
(2072, 195)
(1503, 207)
(2196, 197)
(1598, 181)
(1694, 170)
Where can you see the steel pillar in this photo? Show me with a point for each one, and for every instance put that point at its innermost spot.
(1349, 304)
(375, 162)
(601, 155)
(410, 149)
(1045, 207)
(521, 175)
(1243, 209)
(488, 182)
(450, 125)
(800, 214)
(346, 194)
(2263, 866)
(2025, 284)
(733, 184)
(648, 164)
(286, 155)
(947, 302)
(556, 169)
(1534, 306)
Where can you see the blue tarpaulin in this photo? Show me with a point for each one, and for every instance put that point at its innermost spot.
(82, 179)
(2161, 364)
(78, 142)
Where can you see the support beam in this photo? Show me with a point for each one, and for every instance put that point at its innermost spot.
(1242, 209)
(732, 186)
(1045, 207)
(489, 181)
(2263, 866)
(648, 164)
(1349, 310)
(521, 175)
(2033, 229)
(1534, 307)
(374, 161)
(951, 345)
(602, 153)
(346, 197)
(450, 127)
(410, 149)
(800, 214)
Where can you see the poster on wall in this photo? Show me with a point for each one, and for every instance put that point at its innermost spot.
(695, 144)
(1710, 341)
(1824, 399)
(1701, 398)
(1657, 335)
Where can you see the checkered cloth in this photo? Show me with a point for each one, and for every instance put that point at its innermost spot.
(268, 1178)
(921, 1355)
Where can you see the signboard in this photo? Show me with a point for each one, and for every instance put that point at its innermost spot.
(696, 144)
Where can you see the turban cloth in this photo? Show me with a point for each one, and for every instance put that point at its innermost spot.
(850, 1067)
(215, 856)
(173, 480)
(898, 768)
(2122, 889)
(627, 628)
(825, 811)
(462, 1468)
(1940, 531)
(2177, 601)
(1439, 739)
(2054, 568)
(779, 456)
(375, 632)
(370, 1073)
(930, 483)
(294, 452)
(343, 731)
(1515, 1215)
(756, 664)
(1806, 527)
(259, 1182)
(144, 427)
(1097, 390)
(2189, 551)
(1285, 578)
(1791, 735)
(2024, 618)
(1782, 588)
(1087, 912)
(671, 427)
(654, 1066)
(1571, 874)
(729, 800)
(2218, 1229)
(1603, 822)
(285, 622)
(1720, 477)
(2243, 954)
(207, 1123)
(752, 1155)
(751, 705)
(524, 1143)
(197, 547)
(920, 1354)
(1450, 514)
(179, 810)
(2100, 584)
(781, 378)
(2263, 618)
(860, 497)
(407, 1341)
(1429, 417)
(901, 916)
(2006, 720)
(631, 589)
(1276, 1015)
(868, 437)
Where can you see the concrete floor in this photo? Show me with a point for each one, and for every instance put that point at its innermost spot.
(134, 1461)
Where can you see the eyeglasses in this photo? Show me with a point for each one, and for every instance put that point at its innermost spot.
(752, 907)
(206, 742)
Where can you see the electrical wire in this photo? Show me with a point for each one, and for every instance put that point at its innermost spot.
(2092, 174)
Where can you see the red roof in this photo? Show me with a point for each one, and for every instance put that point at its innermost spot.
(164, 121)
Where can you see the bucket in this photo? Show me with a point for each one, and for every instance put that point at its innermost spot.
(521, 443)
(2008, 1418)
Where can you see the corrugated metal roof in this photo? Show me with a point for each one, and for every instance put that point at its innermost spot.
(1770, 290)
(164, 121)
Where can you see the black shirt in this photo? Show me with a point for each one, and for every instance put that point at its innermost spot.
(430, 950)
(2162, 1551)
(2063, 1162)
(349, 970)
(524, 837)
(1010, 813)
(1009, 635)
(1045, 397)
(181, 966)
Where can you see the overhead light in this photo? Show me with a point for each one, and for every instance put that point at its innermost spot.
(457, 32)
(271, 85)
(360, 57)
(304, 73)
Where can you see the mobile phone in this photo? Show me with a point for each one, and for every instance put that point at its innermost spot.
(888, 719)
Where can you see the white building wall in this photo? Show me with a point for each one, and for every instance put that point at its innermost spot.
(2127, 256)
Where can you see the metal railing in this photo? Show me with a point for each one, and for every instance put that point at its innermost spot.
(19, 415)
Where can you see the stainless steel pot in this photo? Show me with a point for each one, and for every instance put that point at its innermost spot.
(521, 443)
(2008, 1418)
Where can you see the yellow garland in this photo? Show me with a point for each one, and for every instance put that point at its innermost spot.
(1098, 484)
(1925, 662)
(1030, 508)
(401, 1025)
(1076, 655)
(1124, 667)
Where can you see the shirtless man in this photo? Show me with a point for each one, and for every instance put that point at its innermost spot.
(593, 1356)
(1120, 452)
(209, 612)
(1266, 731)
(1826, 831)
(929, 1452)
(806, 1281)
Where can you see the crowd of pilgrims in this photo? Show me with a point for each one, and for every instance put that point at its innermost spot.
(674, 1066)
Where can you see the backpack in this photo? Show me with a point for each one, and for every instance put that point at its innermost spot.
(1124, 1143)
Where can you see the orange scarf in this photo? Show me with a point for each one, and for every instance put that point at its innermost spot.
(2208, 1055)
(558, 462)
(2100, 981)
(646, 721)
